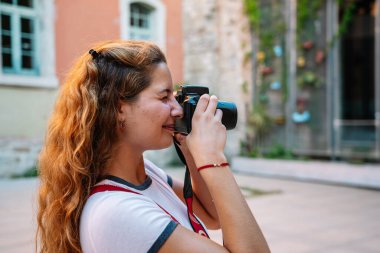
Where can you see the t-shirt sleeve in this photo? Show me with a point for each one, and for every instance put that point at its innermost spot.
(131, 223)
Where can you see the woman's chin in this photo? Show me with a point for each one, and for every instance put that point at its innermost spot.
(165, 143)
(168, 143)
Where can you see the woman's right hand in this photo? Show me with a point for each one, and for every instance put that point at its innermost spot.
(241, 233)
(207, 138)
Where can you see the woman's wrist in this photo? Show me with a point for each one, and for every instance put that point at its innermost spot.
(212, 165)
(210, 159)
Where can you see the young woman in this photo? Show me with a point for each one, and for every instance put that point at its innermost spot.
(98, 193)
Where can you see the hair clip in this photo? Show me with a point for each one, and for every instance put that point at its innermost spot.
(93, 53)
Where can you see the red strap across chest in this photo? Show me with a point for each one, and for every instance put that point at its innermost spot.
(196, 225)
(108, 187)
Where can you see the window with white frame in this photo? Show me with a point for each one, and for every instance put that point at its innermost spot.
(141, 22)
(19, 28)
(144, 20)
(25, 25)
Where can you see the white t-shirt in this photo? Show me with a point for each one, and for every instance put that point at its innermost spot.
(116, 221)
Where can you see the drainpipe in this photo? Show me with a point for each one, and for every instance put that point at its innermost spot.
(291, 49)
(333, 81)
(377, 79)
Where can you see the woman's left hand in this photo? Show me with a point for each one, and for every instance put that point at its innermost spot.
(183, 145)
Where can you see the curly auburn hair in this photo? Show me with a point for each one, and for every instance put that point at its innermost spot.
(81, 134)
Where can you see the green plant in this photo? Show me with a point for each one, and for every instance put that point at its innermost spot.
(308, 79)
(31, 172)
(307, 14)
(258, 125)
(266, 22)
(278, 151)
(252, 9)
(259, 121)
(244, 87)
(247, 57)
(348, 8)
(306, 10)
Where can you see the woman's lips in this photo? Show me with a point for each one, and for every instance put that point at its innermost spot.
(169, 127)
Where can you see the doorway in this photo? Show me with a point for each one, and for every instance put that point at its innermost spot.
(358, 128)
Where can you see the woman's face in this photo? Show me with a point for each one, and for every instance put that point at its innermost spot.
(149, 121)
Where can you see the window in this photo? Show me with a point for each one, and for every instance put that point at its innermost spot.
(18, 37)
(144, 20)
(140, 22)
(26, 25)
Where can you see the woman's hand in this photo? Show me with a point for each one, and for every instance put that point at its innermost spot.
(206, 143)
(181, 139)
(207, 139)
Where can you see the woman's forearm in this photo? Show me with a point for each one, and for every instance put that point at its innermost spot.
(241, 232)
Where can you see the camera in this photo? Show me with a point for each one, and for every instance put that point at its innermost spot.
(188, 97)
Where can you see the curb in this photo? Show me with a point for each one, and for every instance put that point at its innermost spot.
(338, 173)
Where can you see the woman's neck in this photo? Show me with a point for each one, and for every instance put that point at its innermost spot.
(128, 165)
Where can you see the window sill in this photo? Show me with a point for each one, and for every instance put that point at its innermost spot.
(29, 81)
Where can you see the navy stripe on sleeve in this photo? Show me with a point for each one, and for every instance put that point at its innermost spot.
(170, 181)
(163, 237)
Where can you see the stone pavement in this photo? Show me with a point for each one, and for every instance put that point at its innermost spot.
(17, 215)
(296, 217)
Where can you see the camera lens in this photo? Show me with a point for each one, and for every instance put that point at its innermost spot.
(188, 98)
(229, 119)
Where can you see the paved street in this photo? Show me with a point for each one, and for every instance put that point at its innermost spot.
(296, 217)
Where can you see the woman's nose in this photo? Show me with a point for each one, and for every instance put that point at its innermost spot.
(177, 110)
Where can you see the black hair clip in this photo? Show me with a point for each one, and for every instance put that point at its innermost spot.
(93, 53)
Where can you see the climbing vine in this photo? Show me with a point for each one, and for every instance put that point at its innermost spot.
(266, 20)
(268, 24)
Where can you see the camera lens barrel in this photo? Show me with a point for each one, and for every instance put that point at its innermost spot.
(188, 98)
(230, 114)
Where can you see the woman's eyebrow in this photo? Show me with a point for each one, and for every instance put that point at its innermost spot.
(165, 91)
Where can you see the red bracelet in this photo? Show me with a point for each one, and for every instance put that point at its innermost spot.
(212, 166)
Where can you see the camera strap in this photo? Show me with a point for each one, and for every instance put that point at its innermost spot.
(108, 187)
(188, 195)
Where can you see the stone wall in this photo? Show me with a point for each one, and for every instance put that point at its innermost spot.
(23, 115)
(217, 54)
(18, 155)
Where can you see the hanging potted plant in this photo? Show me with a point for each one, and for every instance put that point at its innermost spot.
(319, 56)
(309, 44)
(308, 79)
(266, 70)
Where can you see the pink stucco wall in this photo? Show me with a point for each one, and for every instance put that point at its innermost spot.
(84, 22)
(174, 39)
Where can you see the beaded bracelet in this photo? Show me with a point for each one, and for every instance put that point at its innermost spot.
(213, 165)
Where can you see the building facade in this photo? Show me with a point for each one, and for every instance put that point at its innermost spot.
(319, 78)
(217, 47)
(40, 39)
(305, 74)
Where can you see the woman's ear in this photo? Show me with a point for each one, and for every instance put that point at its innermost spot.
(121, 114)
(124, 108)
(121, 107)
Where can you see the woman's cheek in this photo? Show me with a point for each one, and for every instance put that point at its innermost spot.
(166, 108)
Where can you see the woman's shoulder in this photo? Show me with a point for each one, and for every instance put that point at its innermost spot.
(109, 203)
(123, 218)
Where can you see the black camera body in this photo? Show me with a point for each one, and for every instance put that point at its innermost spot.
(188, 97)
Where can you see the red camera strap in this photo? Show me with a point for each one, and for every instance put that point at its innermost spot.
(188, 195)
(196, 225)
(108, 187)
